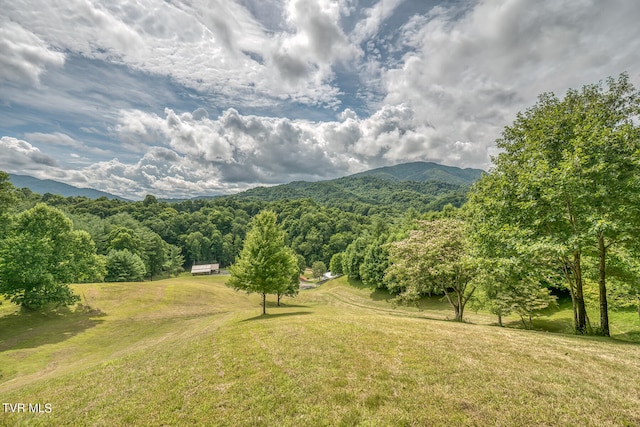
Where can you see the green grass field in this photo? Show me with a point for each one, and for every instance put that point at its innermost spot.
(189, 351)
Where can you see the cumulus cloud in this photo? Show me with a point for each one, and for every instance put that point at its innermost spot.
(198, 96)
(160, 171)
(468, 71)
(25, 56)
(201, 45)
(248, 150)
(18, 156)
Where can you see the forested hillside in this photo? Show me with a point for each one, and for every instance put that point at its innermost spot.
(425, 171)
(389, 190)
(366, 194)
(348, 219)
(154, 238)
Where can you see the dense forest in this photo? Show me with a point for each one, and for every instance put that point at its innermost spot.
(559, 214)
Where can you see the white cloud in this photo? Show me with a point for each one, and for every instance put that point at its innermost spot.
(428, 83)
(470, 71)
(245, 150)
(18, 156)
(375, 16)
(215, 46)
(24, 56)
(160, 171)
(63, 140)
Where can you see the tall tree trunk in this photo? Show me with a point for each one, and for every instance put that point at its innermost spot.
(523, 322)
(264, 303)
(458, 314)
(446, 294)
(602, 284)
(581, 326)
(572, 291)
(500, 320)
(279, 296)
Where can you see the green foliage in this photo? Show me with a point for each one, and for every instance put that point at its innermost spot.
(198, 247)
(124, 266)
(175, 260)
(302, 264)
(154, 252)
(41, 255)
(122, 237)
(265, 265)
(375, 263)
(8, 200)
(7, 194)
(353, 257)
(424, 172)
(566, 181)
(291, 289)
(434, 258)
(335, 266)
(318, 269)
(366, 195)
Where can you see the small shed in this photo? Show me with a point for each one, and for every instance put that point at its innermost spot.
(205, 269)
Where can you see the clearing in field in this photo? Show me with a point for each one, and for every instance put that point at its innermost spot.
(190, 351)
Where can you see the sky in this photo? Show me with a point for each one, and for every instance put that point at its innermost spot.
(180, 98)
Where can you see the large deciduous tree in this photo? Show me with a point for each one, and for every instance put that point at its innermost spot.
(434, 258)
(265, 264)
(567, 180)
(43, 254)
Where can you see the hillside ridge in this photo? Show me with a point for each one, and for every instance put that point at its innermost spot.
(423, 172)
(422, 185)
(43, 186)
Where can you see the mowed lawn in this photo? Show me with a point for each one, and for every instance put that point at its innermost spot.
(189, 351)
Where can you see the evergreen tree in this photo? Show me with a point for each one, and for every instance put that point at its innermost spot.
(265, 264)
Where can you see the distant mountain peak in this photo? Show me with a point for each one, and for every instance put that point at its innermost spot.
(43, 186)
(423, 172)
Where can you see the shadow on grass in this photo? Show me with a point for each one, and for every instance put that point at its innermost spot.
(276, 315)
(628, 337)
(286, 305)
(376, 294)
(31, 329)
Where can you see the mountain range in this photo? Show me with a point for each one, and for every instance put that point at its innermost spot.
(423, 185)
(423, 172)
(43, 186)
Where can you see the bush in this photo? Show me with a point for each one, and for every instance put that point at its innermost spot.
(124, 266)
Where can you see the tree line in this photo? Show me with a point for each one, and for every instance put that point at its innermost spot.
(134, 241)
(559, 212)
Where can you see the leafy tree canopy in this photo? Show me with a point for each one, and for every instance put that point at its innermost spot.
(265, 265)
(43, 254)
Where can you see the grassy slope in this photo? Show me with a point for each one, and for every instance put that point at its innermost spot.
(189, 351)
